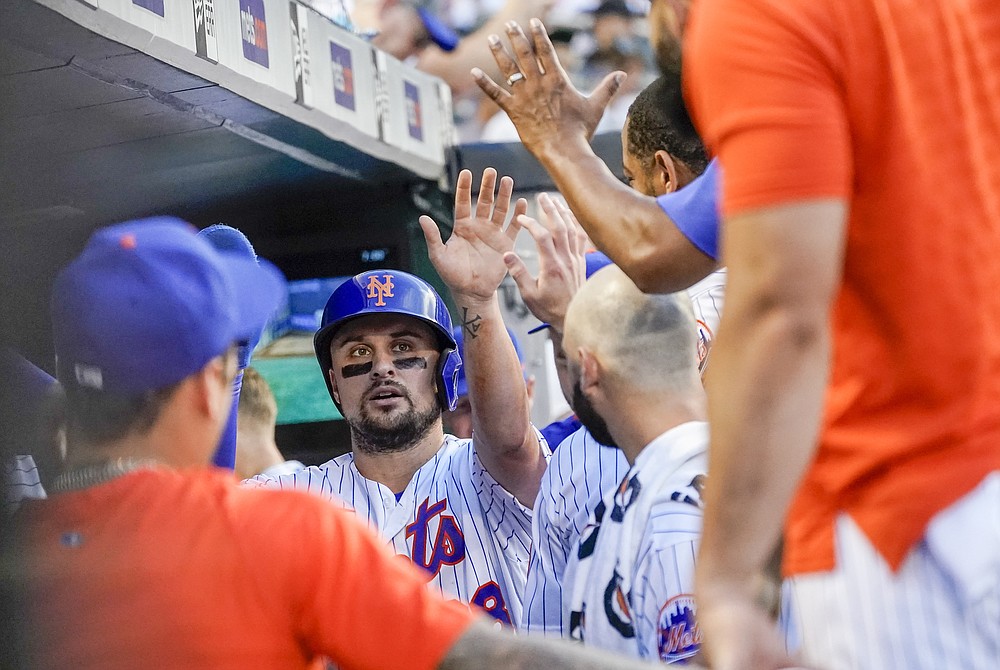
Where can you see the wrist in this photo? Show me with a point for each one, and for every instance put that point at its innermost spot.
(473, 302)
(757, 590)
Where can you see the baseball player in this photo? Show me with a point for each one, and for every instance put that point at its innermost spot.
(144, 556)
(459, 508)
(629, 580)
(660, 154)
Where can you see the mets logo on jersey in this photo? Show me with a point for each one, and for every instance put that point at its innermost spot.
(380, 290)
(677, 632)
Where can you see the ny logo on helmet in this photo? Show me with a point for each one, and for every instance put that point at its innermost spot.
(380, 290)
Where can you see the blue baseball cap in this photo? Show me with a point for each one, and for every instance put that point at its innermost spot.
(595, 261)
(149, 302)
(439, 31)
(463, 384)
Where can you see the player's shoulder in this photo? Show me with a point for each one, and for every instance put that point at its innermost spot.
(580, 447)
(307, 479)
(676, 451)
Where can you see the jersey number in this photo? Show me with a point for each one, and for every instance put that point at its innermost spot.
(490, 599)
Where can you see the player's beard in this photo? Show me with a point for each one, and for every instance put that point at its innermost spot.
(386, 433)
(589, 417)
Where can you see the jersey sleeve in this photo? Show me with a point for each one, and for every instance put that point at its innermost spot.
(314, 479)
(508, 519)
(694, 209)
(349, 597)
(663, 595)
(543, 607)
(761, 79)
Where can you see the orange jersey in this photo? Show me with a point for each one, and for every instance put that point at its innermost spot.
(893, 107)
(162, 569)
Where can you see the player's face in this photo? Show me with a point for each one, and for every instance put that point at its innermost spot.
(384, 378)
(638, 173)
(588, 416)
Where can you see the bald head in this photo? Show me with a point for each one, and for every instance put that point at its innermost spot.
(642, 341)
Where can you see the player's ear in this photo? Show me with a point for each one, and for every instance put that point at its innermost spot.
(590, 371)
(665, 171)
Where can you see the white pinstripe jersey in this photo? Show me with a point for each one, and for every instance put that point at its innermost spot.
(21, 482)
(581, 470)
(707, 297)
(453, 519)
(630, 582)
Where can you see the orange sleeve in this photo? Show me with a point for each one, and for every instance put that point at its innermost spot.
(353, 600)
(761, 81)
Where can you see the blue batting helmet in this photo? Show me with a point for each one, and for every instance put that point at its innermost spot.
(391, 292)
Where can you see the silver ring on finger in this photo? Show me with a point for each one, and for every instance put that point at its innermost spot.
(514, 78)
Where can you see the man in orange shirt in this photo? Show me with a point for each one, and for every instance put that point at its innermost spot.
(860, 145)
(145, 557)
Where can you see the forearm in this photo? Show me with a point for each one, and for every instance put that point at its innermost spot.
(629, 227)
(765, 404)
(482, 647)
(501, 420)
(473, 50)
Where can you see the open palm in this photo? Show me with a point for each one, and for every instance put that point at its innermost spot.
(471, 262)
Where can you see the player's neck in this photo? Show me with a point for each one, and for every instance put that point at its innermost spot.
(395, 469)
(635, 427)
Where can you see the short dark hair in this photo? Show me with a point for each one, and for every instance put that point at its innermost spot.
(658, 119)
(95, 417)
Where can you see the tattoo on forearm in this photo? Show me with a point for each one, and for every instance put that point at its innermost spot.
(471, 325)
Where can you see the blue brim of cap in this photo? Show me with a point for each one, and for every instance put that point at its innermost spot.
(260, 291)
(536, 329)
(226, 238)
(440, 33)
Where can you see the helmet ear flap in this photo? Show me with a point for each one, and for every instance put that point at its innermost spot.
(448, 366)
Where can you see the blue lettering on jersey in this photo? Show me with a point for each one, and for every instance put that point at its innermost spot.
(490, 599)
(449, 543)
(589, 535)
(616, 607)
(577, 623)
(628, 493)
(692, 493)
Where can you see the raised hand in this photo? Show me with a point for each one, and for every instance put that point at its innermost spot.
(561, 264)
(471, 263)
(541, 101)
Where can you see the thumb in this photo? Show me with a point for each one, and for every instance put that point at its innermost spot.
(519, 273)
(431, 234)
(607, 88)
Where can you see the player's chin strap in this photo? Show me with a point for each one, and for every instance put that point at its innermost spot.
(449, 363)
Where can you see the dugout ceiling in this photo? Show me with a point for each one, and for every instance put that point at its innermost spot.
(93, 131)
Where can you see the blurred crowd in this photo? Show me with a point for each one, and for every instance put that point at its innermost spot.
(448, 37)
